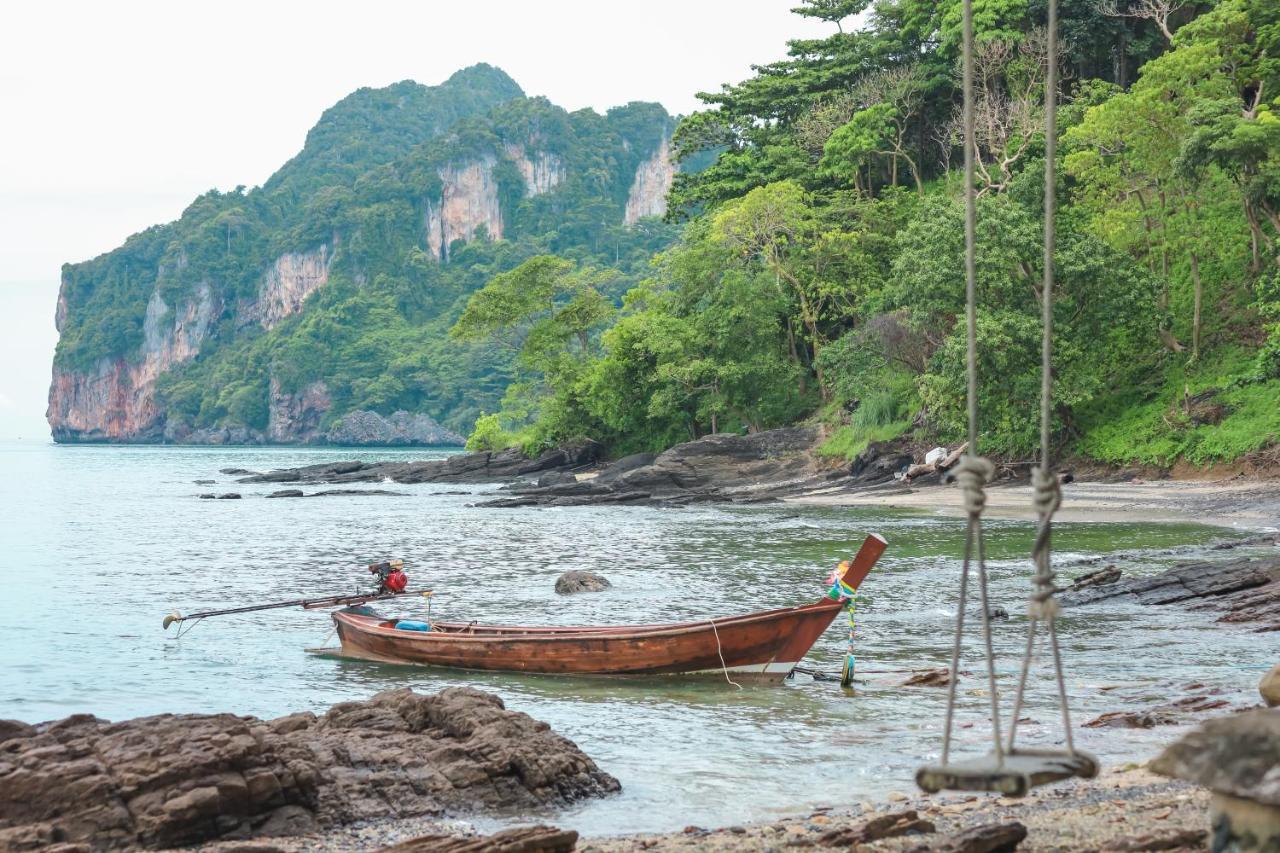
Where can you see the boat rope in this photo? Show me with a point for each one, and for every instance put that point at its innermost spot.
(720, 652)
(973, 471)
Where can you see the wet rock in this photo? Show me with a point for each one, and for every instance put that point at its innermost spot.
(174, 780)
(625, 464)
(524, 839)
(725, 467)
(986, 838)
(237, 472)
(328, 493)
(229, 496)
(1131, 720)
(481, 467)
(287, 493)
(1099, 578)
(997, 612)
(1268, 688)
(206, 496)
(204, 482)
(1247, 589)
(578, 581)
(929, 678)
(890, 825)
(556, 478)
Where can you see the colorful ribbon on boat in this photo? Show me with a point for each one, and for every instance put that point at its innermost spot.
(850, 662)
(838, 590)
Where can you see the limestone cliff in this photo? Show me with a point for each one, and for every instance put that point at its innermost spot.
(542, 172)
(468, 200)
(648, 196)
(115, 401)
(292, 278)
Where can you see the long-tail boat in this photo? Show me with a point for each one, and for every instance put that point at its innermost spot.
(765, 645)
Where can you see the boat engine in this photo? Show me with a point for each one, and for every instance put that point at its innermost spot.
(391, 576)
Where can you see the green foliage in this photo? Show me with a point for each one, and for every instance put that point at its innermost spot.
(488, 434)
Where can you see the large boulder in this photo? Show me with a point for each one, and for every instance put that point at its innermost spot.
(173, 780)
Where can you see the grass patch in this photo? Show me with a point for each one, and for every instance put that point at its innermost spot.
(1155, 429)
(880, 416)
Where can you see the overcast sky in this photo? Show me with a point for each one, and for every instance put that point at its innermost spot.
(116, 115)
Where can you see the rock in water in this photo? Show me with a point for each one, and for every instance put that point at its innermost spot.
(575, 581)
(1269, 687)
(173, 780)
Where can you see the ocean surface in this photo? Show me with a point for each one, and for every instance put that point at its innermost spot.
(99, 543)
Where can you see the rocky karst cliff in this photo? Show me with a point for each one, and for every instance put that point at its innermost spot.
(648, 196)
(270, 315)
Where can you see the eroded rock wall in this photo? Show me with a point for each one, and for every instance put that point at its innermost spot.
(116, 399)
(469, 199)
(649, 188)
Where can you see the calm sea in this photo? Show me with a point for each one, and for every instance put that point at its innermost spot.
(99, 543)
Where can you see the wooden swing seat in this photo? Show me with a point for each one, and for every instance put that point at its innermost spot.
(1019, 772)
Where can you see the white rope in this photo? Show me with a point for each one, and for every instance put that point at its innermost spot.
(723, 668)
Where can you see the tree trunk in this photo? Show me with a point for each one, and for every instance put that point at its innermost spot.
(1195, 313)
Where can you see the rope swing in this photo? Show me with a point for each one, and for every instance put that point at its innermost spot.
(1007, 769)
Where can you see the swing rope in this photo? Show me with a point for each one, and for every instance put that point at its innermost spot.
(1007, 769)
(973, 471)
(1047, 493)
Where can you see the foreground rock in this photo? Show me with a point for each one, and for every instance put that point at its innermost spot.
(479, 467)
(175, 780)
(1238, 759)
(1246, 590)
(724, 467)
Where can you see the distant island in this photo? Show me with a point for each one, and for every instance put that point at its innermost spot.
(315, 308)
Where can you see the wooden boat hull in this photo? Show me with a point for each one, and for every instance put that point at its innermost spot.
(765, 645)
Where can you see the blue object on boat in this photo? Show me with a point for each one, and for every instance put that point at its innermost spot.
(410, 625)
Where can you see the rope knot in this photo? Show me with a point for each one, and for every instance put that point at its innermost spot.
(973, 473)
(1047, 492)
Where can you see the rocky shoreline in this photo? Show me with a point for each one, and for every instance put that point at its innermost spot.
(83, 784)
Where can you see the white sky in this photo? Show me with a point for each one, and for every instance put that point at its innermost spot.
(117, 114)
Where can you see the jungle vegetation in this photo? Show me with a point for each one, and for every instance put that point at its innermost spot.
(818, 274)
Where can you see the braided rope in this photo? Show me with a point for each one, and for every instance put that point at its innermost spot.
(1047, 498)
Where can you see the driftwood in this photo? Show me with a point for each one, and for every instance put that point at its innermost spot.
(525, 839)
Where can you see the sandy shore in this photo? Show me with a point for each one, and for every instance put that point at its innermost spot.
(1245, 504)
(1128, 806)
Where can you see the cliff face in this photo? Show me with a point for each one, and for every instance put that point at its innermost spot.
(292, 278)
(116, 400)
(648, 196)
(469, 199)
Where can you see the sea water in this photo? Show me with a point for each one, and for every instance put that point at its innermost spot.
(99, 543)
